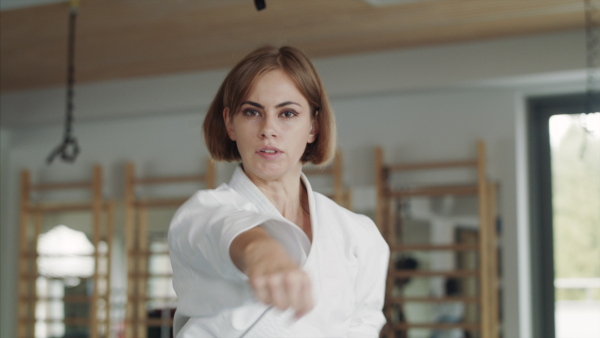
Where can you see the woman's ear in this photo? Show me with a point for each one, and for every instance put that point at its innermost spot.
(228, 124)
(314, 130)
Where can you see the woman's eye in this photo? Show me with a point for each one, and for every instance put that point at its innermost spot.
(289, 113)
(251, 112)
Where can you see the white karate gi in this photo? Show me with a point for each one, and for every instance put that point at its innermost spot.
(347, 263)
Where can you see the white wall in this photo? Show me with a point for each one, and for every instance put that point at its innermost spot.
(423, 104)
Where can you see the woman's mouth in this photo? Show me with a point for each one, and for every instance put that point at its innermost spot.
(269, 152)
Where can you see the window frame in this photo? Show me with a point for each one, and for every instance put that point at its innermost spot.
(539, 112)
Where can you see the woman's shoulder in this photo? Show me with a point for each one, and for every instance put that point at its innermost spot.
(221, 197)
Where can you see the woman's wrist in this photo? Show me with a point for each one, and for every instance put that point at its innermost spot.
(256, 251)
(265, 255)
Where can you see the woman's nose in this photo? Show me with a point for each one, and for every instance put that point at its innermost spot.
(268, 128)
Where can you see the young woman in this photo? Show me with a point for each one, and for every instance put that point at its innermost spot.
(265, 256)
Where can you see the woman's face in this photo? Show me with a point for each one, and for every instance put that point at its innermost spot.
(272, 128)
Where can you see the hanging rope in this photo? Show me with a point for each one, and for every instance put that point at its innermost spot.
(69, 148)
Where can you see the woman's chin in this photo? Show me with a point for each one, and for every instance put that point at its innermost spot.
(271, 171)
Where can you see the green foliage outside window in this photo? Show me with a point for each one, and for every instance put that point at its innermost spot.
(576, 203)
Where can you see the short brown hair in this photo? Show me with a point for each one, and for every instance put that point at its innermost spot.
(237, 85)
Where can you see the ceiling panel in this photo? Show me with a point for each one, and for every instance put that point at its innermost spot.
(135, 38)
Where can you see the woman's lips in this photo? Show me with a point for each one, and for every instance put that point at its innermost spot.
(269, 152)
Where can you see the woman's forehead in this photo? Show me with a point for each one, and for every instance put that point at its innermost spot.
(275, 86)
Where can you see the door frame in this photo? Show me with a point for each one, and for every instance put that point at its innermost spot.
(539, 111)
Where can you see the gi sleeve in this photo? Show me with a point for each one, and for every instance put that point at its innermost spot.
(373, 256)
(202, 230)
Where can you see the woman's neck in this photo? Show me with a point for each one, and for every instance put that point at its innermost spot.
(290, 199)
(285, 196)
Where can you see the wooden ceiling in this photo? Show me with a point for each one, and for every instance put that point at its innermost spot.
(119, 39)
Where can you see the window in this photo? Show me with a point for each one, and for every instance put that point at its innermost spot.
(565, 232)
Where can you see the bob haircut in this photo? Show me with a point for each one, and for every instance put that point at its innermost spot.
(237, 85)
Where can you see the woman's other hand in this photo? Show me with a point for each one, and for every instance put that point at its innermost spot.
(274, 277)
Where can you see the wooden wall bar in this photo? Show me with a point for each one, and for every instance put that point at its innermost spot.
(487, 271)
(29, 256)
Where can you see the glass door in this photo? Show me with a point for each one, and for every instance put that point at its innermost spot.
(566, 218)
(575, 161)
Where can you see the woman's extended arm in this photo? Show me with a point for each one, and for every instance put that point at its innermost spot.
(274, 277)
(200, 236)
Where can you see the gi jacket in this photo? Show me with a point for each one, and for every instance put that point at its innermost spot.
(347, 262)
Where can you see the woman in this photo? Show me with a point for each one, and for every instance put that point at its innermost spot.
(265, 256)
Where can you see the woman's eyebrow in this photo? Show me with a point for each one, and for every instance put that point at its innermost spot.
(258, 105)
(286, 103)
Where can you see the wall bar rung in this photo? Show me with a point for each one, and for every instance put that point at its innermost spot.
(433, 247)
(168, 180)
(318, 171)
(44, 208)
(440, 326)
(431, 165)
(167, 202)
(435, 191)
(401, 300)
(430, 273)
(61, 186)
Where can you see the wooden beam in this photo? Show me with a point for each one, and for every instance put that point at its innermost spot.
(150, 252)
(434, 247)
(23, 283)
(146, 275)
(401, 300)
(338, 177)
(494, 326)
(312, 171)
(54, 208)
(37, 230)
(157, 322)
(64, 299)
(432, 165)
(158, 203)
(130, 246)
(142, 272)
(147, 298)
(458, 190)
(110, 230)
(438, 326)
(484, 240)
(169, 179)
(211, 174)
(61, 186)
(96, 234)
(380, 184)
(157, 47)
(433, 273)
